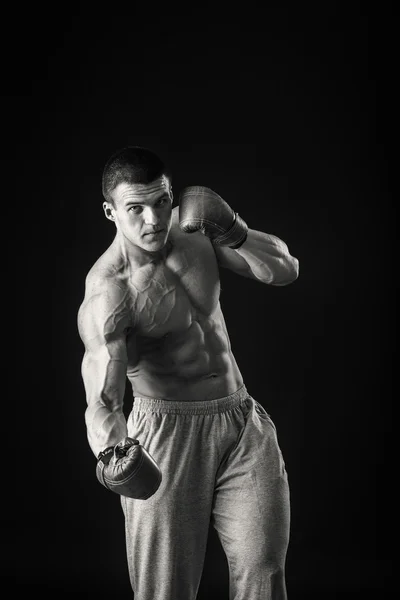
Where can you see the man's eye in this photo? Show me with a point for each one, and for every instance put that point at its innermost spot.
(135, 209)
(162, 200)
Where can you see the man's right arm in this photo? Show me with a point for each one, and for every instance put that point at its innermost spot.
(104, 319)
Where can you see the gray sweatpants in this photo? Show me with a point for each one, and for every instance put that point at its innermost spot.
(220, 460)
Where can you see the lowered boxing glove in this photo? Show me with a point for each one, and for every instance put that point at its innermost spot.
(129, 470)
(201, 209)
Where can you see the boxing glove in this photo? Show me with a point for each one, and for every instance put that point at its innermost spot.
(202, 209)
(129, 470)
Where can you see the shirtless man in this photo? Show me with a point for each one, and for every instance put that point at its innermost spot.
(151, 314)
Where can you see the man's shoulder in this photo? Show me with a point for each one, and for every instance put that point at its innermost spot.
(103, 281)
(105, 288)
(107, 305)
(106, 275)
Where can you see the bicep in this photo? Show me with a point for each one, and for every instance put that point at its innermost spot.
(103, 330)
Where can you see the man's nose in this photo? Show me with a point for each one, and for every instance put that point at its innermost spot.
(150, 216)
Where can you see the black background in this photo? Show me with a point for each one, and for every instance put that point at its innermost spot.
(288, 114)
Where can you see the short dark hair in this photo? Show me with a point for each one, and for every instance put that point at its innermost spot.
(133, 164)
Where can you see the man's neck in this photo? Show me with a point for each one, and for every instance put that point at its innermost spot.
(135, 256)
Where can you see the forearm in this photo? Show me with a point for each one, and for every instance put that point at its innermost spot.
(268, 258)
(105, 427)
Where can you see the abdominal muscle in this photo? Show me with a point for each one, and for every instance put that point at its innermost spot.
(192, 363)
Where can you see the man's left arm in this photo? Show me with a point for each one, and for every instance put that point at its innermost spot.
(263, 257)
(245, 251)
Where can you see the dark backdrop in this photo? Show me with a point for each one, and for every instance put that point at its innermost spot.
(287, 113)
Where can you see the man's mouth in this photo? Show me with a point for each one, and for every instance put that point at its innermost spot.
(154, 232)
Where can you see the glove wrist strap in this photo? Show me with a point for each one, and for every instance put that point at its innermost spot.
(102, 461)
(105, 455)
(235, 236)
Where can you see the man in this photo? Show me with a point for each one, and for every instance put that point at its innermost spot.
(151, 314)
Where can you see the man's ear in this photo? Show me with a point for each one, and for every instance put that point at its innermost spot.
(108, 211)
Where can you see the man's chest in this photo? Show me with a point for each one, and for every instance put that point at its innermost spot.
(168, 296)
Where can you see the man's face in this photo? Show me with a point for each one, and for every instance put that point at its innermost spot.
(142, 213)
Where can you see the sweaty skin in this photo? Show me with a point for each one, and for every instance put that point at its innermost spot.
(152, 314)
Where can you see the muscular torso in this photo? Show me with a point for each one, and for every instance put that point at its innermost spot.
(178, 345)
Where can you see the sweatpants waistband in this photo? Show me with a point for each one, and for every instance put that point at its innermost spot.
(202, 407)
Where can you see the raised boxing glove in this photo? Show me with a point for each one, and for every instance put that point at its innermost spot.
(129, 470)
(202, 209)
